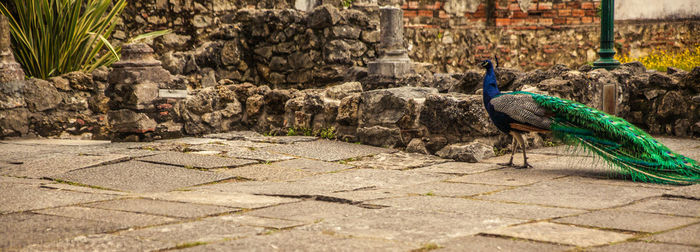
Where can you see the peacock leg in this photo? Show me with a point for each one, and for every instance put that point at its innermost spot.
(523, 146)
(512, 153)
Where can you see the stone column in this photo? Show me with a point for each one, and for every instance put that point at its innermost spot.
(394, 61)
(134, 91)
(10, 70)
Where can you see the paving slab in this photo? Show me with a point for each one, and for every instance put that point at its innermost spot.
(82, 189)
(327, 150)
(644, 247)
(508, 177)
(628, 220)
(665, 205)
(50, 141)
(100, 242)
(136, 176)
(447, 189)
(15, 197)
(475, 207)
(226, 145)
(301, 240)
(397, 161)
(458, 168)
(205, 230)
(575, 195)
(256, 221)
(562, 234)
(234, 135)
(196, 161)
(189, 140)
(285, 170)
(21, 229)
(16, 153)
(308, 211)
(411, 226)
(346, 180)
(120, 218)
(485, 243)
(255, 154)
(532, 158)
(690, 191)
(282, 139)
(52, 164)
(164, 208)
(227, 199)
(686, 235)
(25, 181)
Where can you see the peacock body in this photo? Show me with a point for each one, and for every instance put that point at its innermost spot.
(619, 143)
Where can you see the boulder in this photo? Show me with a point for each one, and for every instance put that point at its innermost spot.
(40, 95)
(341, 91)
(458, 117)
(470, 152)
(323, 16)
(393, 107)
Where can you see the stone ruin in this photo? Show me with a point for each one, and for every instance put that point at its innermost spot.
(394, 103)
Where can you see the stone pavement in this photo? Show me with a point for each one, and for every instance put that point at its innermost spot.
(245, 191)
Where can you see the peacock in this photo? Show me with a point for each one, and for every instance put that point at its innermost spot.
(619, 143)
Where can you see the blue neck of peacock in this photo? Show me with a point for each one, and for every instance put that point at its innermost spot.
(490, 88)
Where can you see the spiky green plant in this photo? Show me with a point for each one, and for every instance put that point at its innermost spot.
(52, 37)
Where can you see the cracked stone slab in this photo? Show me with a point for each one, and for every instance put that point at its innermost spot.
(472, 206)
(327, 150)
(15, 197)
(235, 135)
(562, 234)
(447, 189)
(49, 141)
(308, 211)
(255, 221)
(485, 243)
(282, 139)
(508, 177)
(82, 189)
(206, 230)
(255, 154)
(575, 194)
(164, 208)
(21, 229)
(459, 168)
(99, 242)
(687, 235)
(120, 218)
(302, 240)
(286, 170)
(673, 206)
(136, 176)
(643, 247)
(16, 153)
(53, 164)
(628, 220)
(227, 199)
(196, 161)
(189, 141)
(397, 161)
(691, 192)
(411, 226)
(346, 180)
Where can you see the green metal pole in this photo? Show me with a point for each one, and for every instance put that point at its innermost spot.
(607, 37)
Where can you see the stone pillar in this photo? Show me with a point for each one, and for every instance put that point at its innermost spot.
(10, 70)
(134, 92)
(394, 61)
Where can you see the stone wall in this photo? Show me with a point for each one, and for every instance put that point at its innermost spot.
(69, 106)
(279, 48)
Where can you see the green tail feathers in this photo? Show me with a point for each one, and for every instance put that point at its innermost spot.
(618, 142)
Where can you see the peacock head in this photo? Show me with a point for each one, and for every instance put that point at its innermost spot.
(486, 64)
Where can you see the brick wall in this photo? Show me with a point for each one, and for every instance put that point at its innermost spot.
(509, 14)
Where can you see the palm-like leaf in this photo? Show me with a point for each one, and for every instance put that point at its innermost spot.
(52, 37)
